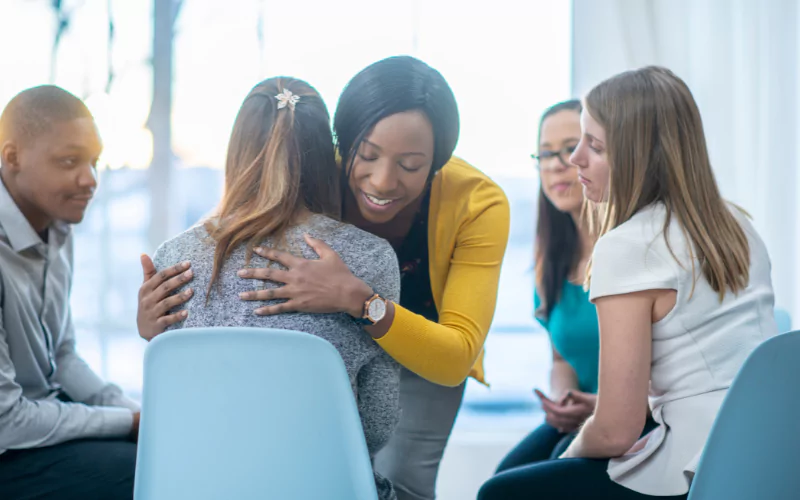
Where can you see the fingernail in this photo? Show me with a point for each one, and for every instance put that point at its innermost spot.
(185, 265)
(244, 295)
(184, 314)
(258, 249)
(260, 312)
(188, 273)
(188, 293)
(244, 273)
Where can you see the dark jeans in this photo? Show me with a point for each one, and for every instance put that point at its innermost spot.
(79, 470)
(531, 470)
(545, 443)
(565, 479)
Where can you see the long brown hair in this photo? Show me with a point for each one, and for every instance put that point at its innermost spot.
(280, 164)
(558, 245)
(657, 153)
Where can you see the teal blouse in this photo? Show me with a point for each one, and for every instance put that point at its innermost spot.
(574, 333)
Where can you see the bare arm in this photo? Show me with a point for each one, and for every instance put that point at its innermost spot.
(625, 356)
(562, 377)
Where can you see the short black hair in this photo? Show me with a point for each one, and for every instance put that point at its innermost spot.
(390, 86)
(31, 112)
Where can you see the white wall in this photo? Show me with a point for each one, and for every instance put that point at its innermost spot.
(740, 59)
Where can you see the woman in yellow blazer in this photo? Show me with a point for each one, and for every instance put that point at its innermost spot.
(396, 126)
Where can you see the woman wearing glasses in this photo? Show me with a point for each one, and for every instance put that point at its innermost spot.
(562, 307)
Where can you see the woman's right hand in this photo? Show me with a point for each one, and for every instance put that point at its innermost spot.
(571, 412)
(156, 297)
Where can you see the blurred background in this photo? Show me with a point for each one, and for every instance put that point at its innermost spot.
(165, 78)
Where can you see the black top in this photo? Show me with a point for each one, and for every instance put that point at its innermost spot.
(415, 278)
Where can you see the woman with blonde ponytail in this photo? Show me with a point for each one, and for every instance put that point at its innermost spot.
(282, 185)
(681, 283)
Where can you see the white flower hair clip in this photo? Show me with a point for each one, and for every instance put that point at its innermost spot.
(286, 98)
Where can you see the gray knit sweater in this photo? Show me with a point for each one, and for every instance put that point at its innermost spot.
(374, 376)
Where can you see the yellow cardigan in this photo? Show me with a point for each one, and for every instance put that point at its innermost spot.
(468, 229)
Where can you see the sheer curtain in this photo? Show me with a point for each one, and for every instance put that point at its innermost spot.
(740, 59)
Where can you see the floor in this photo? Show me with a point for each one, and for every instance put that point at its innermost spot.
(472, 456)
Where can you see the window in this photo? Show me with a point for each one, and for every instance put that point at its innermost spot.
(506, 62)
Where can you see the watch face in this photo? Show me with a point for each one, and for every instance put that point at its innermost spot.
(377, 310)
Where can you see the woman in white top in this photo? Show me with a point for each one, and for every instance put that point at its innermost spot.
(681, 282)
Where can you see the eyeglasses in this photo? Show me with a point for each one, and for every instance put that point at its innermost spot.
(548, 161)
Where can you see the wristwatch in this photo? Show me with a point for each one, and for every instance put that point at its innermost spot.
(374, 310)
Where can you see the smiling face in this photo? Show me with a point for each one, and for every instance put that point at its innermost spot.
(53, 174)
(392, 166)
(591, 157)
(558, 137)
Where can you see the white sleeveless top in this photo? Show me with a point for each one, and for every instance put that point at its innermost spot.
(697, 348)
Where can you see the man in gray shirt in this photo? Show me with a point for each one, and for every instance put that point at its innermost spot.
(64, 432)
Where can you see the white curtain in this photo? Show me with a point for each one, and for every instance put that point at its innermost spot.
(740, 59)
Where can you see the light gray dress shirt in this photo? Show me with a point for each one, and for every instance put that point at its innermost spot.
(38, 360)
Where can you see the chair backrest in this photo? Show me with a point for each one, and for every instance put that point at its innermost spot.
(783, 320)
(249, 414)
(754, 446)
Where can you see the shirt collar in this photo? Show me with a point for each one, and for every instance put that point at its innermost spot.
(18, 230)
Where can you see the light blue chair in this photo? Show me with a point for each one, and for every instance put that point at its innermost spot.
(246, 413)
(783, 320)
(754, 446)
